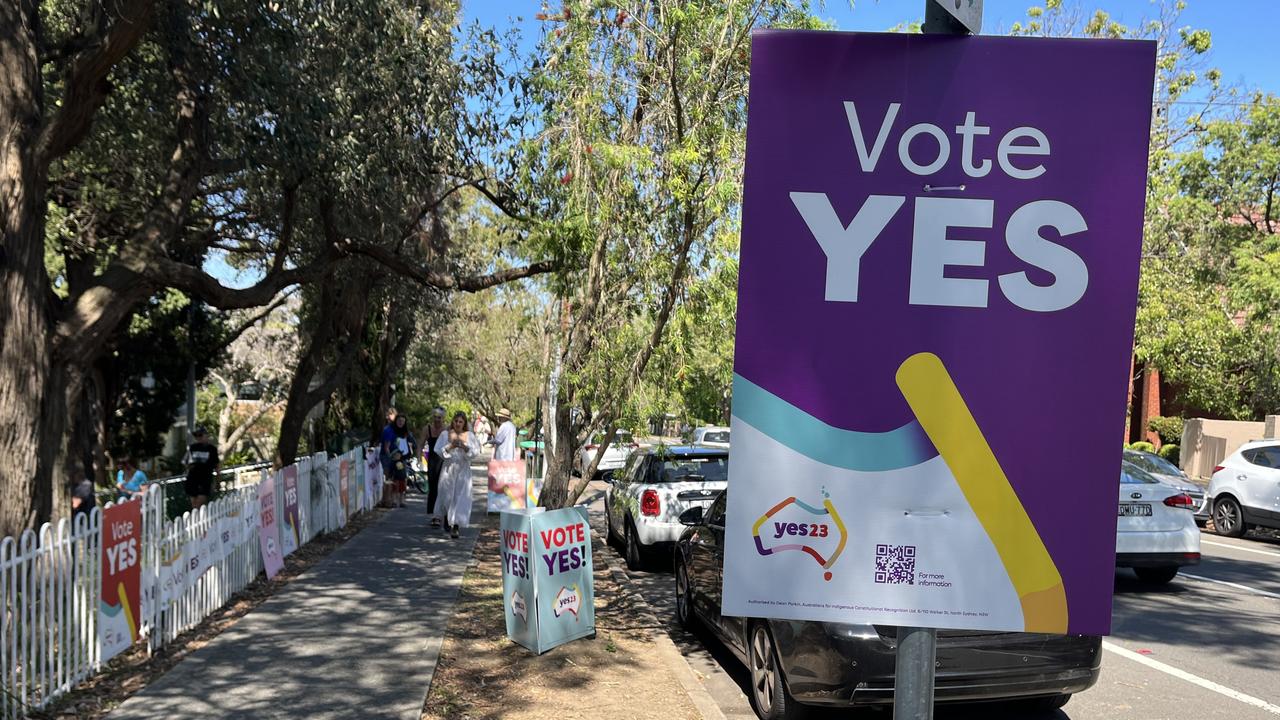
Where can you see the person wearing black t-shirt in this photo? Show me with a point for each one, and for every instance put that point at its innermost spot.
(202, 463)
(82, 499)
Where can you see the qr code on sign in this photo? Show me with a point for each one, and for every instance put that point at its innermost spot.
(896, 564)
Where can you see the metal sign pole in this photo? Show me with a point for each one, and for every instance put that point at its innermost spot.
(918, 647)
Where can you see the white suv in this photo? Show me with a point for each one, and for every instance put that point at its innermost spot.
(1245, 489)
(711, 436)
(645, 500)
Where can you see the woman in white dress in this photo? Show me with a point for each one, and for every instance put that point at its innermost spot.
(457, 447)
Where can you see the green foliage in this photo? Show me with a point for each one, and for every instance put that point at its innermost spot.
(640, 159)
(1168, 428)
(1170, 452)
(1142, 446)
(164, 337)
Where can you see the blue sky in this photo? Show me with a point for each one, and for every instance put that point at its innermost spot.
(1244, 31)
(1244, 40)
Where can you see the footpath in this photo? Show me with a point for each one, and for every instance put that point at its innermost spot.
(358, 635)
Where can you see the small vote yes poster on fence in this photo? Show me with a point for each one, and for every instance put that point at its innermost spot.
(936, 296)
(291, 531)
(172, 583)
(373, 478)
(120, 609)
(344, 488)
(268, 529)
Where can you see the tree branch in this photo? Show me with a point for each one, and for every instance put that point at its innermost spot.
(257, 317)
(194, 281)
(85, 85)
(407, 267)
(286, 229)
(244, 427)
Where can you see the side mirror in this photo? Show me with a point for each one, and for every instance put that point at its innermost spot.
(692, 516)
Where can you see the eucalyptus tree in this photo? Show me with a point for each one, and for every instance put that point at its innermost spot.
(638, 159)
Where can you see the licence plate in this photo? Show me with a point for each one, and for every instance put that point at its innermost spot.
(1135, 510)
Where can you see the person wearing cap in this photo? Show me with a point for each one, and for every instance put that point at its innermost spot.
(202, 462)
(504, 441)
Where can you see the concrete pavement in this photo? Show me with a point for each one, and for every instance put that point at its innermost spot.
(357, 635)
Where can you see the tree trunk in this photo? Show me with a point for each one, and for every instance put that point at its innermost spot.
(101, 428)
(339, 330)
(555, 489)
(27, 389)
(76, 461)
(393, 345)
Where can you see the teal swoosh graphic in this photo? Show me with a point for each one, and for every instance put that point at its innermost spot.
(849, 449)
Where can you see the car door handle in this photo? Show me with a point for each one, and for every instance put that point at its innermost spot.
(1242, 477)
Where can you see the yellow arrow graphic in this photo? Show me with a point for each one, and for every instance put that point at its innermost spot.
(946, 419)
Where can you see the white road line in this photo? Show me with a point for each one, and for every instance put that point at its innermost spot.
(1241, 549)
(1238, 586)
(1193, 679)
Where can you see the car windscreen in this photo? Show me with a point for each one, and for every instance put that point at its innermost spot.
(720, 436)
(620, 439)
(1131, 474)
(1152, 463)
(689, 468)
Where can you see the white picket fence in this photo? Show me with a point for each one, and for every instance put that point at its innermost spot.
(51, 579)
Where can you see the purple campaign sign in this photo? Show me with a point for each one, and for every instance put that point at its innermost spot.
(930, 382)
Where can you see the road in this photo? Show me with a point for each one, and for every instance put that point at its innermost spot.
(1207, 646)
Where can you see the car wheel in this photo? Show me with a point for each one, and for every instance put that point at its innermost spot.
(684, 602)
(634, 553)
(610, 535)
(769, 694)
(1228, 517)
(1156, 575)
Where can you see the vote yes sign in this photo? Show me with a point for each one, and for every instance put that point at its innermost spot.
(938, 281)
(548, 591)
(120, 609)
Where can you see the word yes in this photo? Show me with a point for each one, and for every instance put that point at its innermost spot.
(800, 529)
(932, 251)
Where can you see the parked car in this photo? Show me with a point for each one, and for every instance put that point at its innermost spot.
(644, 501)
(797, 663)
(1171, 475)
(711, 436)
(1156, 531)
(614, 457)
(1245, 489)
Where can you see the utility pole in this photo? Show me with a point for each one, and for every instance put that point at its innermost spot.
(918, 647)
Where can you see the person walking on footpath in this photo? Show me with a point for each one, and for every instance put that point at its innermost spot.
(457, 447)
(431, 436)
(481, 428)
(401, 449)
(202, 463)
(130, 481)
(386, 442)
(504, 441)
